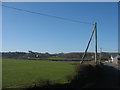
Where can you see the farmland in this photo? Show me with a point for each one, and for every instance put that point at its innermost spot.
(18, 73)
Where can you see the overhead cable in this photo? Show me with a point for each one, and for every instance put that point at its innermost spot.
(43, 14)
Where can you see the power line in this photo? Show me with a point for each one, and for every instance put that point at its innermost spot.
(43, 14)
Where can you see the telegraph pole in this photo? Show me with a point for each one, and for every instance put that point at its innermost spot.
(94, 32)
(95, 27)
(100, 54)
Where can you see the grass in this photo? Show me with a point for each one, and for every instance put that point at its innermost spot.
(18, 73)
(58, 58)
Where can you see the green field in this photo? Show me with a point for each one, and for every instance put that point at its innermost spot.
(18, 73)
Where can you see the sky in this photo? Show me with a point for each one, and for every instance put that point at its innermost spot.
(23, 31)
(0, 29)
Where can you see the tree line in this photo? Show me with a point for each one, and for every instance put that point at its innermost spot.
(31, 54)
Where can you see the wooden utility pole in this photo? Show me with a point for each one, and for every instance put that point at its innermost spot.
(88, 45)
(95, 33)
(95, 27)
(100, 54)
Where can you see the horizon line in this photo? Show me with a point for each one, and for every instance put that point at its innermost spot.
(59, 52)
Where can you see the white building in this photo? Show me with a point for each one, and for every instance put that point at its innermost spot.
(115, 59)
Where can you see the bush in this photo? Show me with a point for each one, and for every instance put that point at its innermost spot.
(87, 76)
(39, 83)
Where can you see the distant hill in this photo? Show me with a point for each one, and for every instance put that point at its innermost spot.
(30, 54)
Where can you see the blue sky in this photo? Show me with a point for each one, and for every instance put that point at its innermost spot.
(23, 31)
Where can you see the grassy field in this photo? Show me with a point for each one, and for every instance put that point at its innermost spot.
(18, 73)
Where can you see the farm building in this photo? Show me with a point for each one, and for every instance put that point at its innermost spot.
(115, 59)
